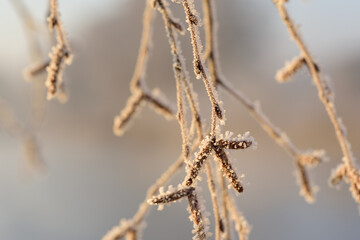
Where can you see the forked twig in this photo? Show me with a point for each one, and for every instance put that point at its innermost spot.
(280, 137)
(327, 98)
(194, 207)
(138, 88)
(32, 31)
(210, 144)
(26, 133)
(275, 133)
(181, 75)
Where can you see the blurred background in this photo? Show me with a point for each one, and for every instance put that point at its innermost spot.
(92, 179)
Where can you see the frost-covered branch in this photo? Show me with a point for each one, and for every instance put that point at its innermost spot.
(327, 98)
(199, 68)
(138, 88)
(60, 54)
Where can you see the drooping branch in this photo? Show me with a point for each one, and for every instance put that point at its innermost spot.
(242, 227)
(199, 68)
(254, 109)
(281, 139)
(138, 88)
(327, 98)
(180, 72)
(60, 54)
(120, 231)
(16, 129)
(194, 208)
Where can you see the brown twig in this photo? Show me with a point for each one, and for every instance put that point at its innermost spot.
(171, 24)
(194, 207)
(137, 83)
(326, 97)
(119, 232)
(224, 205)
(199, 68)
(281, 139)
(60, 54)
(290, 68)
(35, 69)
(28, 141)
(210, 144)
(196, 216)
(181, 75)
(241, 225)
(275, 133)
(32, 31)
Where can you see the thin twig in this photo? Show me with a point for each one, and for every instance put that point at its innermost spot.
(32, 32)
(326, 97)
(210, 144)
(180, 72)
(119, 231)
(60, 54)
(210, 53)
(199, 68)
(290, 68)
(241, 225)
(280, 138)
(137, 83)
(27, 139)
(177, 67)
(224, 205)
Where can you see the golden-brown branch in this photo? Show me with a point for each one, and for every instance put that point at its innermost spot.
(326, 97)
(180, 72)
(60, 54)
(199, 68)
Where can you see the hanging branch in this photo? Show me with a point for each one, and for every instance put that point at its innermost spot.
(194, 207)
(60, 55)
(137, 85)
(326, 96)
(275, 133)
(27, 139)
(38, 66)
(181, 75)
(209, 56)
(25, 131)
(241, 225)
(302, 159)
(120, 231)
(140, 93)
(199, 68)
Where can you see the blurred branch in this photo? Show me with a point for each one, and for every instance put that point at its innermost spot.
(326, 96)
(28, 141)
